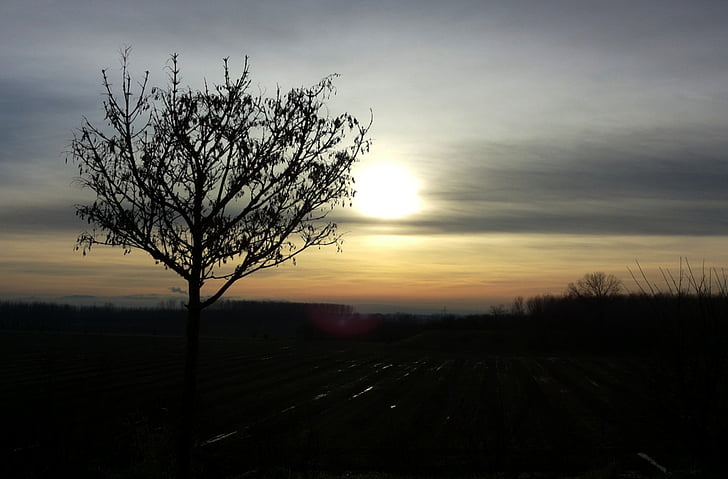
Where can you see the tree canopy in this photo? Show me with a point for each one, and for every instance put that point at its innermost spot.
(596, 285)
(217, 183)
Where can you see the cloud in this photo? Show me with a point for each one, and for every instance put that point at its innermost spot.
(456, 71)
(38, 217)
(675, 163)
(659, 182)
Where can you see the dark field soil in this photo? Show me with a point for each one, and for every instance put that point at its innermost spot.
(104, 406)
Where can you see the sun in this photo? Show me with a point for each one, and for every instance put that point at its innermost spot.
(386, 191)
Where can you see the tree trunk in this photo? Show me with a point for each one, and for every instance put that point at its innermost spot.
(187, 414)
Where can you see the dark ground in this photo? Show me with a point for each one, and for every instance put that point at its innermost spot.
(439, 402)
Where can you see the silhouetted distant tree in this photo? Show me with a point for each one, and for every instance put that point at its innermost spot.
(518, 307)
(214, 184)
(595, 285)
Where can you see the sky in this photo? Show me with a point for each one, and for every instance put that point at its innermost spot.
(533, 141)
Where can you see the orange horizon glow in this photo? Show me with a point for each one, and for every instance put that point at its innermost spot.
(477, 272)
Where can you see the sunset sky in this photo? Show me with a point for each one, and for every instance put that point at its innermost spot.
(538, 140)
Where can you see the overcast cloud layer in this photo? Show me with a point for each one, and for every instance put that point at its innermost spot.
(575, 117)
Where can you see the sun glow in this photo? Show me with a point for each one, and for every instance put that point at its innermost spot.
(386, 191)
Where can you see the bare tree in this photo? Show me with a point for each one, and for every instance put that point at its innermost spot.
(596, 285)
(518, 307)
(214, 184)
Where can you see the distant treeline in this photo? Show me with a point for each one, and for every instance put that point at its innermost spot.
(632, 321)
(635, 322)
(226, 318)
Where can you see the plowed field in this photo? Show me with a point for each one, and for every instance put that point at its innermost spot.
(94, 403)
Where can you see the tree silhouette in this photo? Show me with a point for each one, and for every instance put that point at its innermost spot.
(595, 285)
(214, 184)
